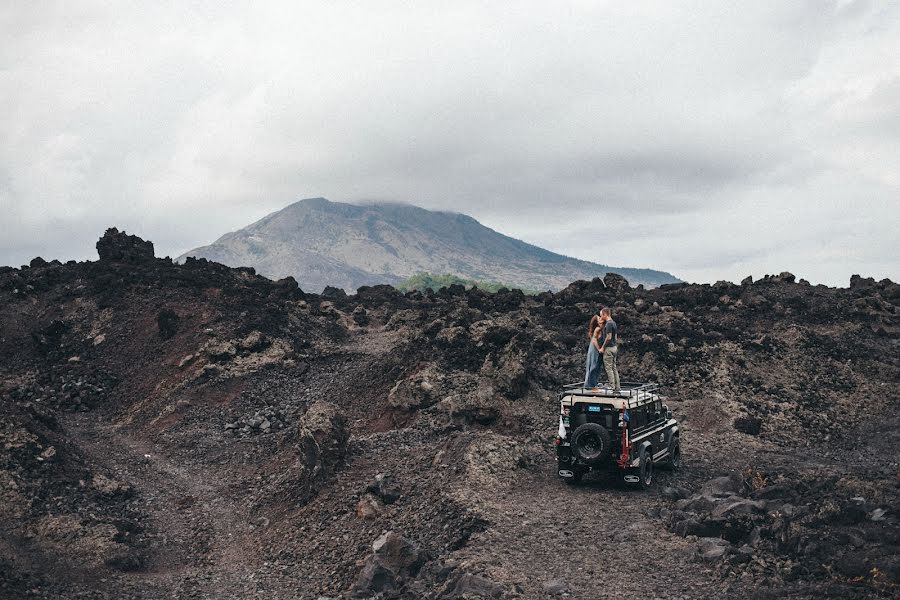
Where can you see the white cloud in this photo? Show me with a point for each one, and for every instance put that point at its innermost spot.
(719, 140)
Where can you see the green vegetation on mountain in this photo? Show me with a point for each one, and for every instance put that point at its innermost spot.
(423, 281)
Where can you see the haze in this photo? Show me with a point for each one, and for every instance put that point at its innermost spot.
(709, 140)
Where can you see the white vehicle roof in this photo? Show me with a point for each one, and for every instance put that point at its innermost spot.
(631, 395)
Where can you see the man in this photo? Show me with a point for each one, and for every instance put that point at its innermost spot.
(610, 349)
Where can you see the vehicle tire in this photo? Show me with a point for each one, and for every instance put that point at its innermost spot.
(673, 462)
(591, 443)
(645, 471)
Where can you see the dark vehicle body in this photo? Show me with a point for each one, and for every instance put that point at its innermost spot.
(628, 432)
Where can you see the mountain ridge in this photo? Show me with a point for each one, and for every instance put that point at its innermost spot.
(322, 243)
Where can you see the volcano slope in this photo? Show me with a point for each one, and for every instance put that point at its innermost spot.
(196, 431)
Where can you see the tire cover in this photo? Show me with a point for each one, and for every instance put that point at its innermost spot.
(586, 439)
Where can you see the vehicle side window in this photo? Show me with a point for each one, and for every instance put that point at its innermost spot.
(641, 416)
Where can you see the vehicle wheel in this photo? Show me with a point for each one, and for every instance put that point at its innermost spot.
(591, 443)
(673, 463)
(646, 471)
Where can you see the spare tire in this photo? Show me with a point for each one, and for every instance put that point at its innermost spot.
(591, 443)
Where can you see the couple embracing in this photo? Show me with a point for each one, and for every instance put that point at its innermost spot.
(603, 333)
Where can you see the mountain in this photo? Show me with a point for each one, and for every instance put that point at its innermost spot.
(322, 243)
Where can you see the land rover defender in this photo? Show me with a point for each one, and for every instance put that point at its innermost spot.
(627, 431)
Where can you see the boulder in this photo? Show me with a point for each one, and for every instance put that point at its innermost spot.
(374, 578)
(778, 490)
(398, 553)
(121, 247)
(254, 342)
(616, 282)
(369, 507)
(417, 391)
(221, 351)
(288, 286)
(784, 277)
(723, 487)
(360, 315)
(375, 296)
(712, 549)
(738, 506)
(385, 487)
(476, 408)
(394, 560)
(333, 292)
(697, 504)
(686, 527)
(675, 493)
(861, 283)
(321, 448)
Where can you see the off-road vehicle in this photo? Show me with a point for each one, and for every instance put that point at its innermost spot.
(627, 432)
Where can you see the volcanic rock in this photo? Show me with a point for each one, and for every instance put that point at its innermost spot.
(369, 507)
(322, 443)
(712, 549)
(616, 282)
(394, 559)
(419, 390)
(122, 459)
(385, 487)
(722, 487)
(121, 247)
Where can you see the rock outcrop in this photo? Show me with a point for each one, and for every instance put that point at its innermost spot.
(121, 247)
(322, 445)
(394, 560)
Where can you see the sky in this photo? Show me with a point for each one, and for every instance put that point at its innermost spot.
(710, 140)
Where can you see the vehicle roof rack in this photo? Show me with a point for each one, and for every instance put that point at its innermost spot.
(630, 391)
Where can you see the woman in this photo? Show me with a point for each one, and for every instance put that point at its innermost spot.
(592, 364)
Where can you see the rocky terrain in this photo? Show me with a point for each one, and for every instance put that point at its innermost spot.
(197, 431)
(322, 243)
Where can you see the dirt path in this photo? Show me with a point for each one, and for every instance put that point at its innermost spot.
(194, 528)
(542, 530)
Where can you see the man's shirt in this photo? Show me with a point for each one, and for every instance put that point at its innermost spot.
(610, 327)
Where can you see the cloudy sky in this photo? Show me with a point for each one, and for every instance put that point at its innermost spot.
(712, 140)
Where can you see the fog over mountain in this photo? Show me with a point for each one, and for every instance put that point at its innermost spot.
(322, 243)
